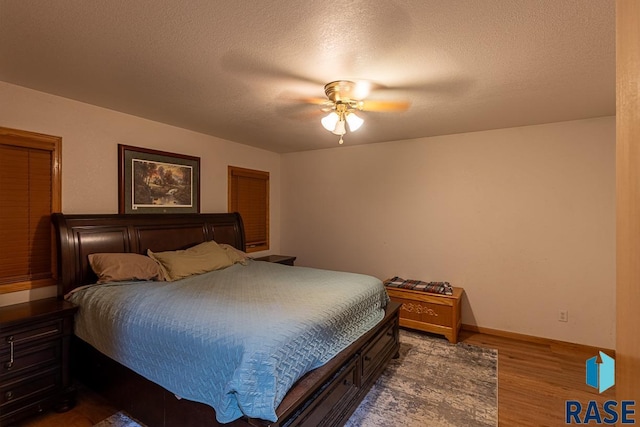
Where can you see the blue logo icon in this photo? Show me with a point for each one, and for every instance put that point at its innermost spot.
(601, 372)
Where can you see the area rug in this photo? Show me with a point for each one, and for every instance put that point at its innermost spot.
(433, 383)
(119, 419)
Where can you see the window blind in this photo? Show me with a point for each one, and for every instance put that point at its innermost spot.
(249, 195)
(29, 192)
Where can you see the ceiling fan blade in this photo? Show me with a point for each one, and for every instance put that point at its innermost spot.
(297, 111)
(370, 105)
(316, 101)
(242, 63)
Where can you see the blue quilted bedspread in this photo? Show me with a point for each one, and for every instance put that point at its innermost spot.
(236, 339)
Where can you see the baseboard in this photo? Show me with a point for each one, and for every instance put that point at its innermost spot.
(534, 339)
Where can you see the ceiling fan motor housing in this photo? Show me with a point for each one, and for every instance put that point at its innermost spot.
(340, 91)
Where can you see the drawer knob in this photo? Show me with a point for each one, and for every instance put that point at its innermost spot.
(367, 358)
(8, 366)
(347, 383)
(8, 395)
(10, 338)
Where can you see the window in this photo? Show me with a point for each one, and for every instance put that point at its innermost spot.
(249, 195)
(30, 192)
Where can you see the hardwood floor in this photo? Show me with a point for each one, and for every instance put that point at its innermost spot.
(534, 381)
(89, 410)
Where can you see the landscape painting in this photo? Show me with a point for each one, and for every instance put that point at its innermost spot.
(161, 184)
(152, 181)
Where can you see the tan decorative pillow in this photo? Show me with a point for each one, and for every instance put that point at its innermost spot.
(118, 267)
(207, 256)
(236, 255)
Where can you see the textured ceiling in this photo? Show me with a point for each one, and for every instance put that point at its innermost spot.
(239, 69)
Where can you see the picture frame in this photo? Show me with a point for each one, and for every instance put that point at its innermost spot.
(153, 181)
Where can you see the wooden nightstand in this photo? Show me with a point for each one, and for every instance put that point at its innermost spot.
(436, 313)
(280, 259)
(34, 358)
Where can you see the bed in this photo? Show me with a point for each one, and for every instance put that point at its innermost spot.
(327, 394)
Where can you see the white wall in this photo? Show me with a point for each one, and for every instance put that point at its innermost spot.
(90, 136)
(522, 218)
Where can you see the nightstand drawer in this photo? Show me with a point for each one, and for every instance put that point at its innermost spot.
(30, 333)
(10, 413)
(16, 392)
(33, 357)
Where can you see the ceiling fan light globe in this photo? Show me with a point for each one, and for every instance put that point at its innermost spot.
(354, 122)
(329, 122)
(340, 128)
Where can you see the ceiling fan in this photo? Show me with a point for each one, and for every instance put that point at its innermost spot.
(344, 99)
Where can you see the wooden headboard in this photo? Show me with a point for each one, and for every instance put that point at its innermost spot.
(80, 235)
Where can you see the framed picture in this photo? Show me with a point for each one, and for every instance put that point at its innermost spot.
(151, 181)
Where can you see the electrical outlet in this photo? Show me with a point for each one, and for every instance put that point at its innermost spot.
(563, 316)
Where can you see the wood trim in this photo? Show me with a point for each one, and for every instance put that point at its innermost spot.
(533, 339)
(627, 197)
(31, 139)
(251, 173)
(26, 285)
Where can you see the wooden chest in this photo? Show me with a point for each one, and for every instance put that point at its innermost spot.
(435, 313)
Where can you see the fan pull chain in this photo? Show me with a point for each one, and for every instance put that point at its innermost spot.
(341, 140)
